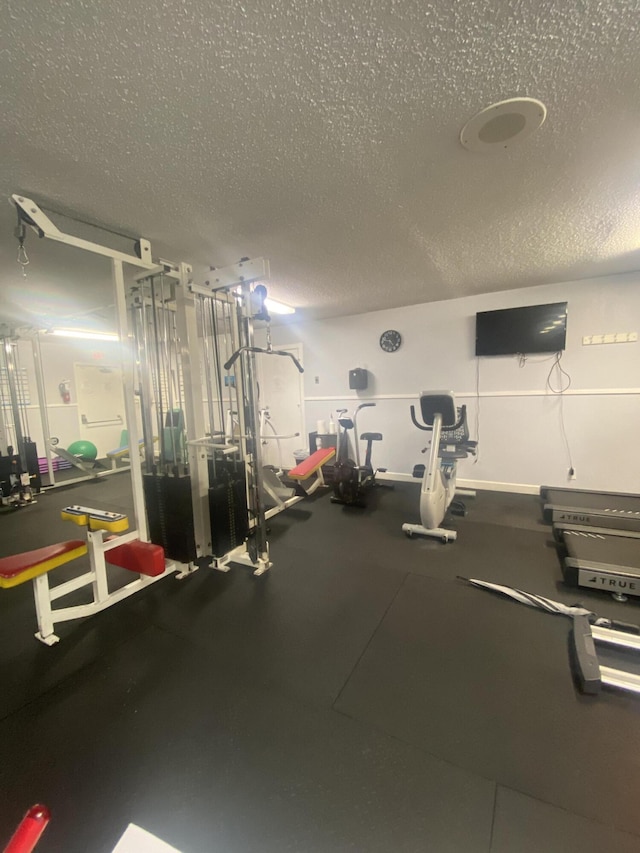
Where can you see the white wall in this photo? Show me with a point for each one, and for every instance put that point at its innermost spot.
(520, 436)
(58, 359)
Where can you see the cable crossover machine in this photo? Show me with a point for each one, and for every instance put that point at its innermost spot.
(189, 357)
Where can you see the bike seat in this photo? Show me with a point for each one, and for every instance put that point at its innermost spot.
(371, 436)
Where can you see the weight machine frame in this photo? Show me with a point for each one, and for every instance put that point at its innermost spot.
(16, 407)
(231, 285)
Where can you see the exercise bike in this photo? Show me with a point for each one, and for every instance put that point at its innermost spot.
(449, 443)
(351, 480)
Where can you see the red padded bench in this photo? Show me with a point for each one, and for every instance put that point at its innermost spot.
(141, 557)
(312, 463)
(24, 567)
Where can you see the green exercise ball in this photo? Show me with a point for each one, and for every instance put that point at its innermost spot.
(86, 451)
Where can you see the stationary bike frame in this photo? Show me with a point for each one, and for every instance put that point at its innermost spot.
(436, 491)
(435, 494)
(362, 474)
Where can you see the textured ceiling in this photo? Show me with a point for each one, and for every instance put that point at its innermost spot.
(324, 135)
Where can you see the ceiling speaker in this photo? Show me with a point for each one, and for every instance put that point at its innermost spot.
(501, 125)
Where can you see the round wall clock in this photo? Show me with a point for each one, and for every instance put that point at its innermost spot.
(390, 340)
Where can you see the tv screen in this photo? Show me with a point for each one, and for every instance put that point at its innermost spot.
(535, 328)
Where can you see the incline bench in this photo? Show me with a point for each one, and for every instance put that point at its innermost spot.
(284, 497)
(312, 465)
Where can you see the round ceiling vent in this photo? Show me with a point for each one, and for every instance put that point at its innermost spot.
(501, 125)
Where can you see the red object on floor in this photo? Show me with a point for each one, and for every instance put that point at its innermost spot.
(28, 833)
(141, 557)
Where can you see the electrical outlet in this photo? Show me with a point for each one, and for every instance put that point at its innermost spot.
(572, 473)
(610, 338)
(317, 378)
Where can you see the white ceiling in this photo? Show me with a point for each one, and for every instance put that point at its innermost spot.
(323, 134)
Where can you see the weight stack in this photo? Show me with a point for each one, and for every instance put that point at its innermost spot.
(170, 515)
(228, 512)
(33, 467)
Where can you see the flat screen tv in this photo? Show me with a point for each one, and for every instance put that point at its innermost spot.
(535, 328)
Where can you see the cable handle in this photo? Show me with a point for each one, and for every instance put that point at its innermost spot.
(236, 355)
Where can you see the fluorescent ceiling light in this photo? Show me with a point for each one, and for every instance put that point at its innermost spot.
(84, 335)
(278, 307)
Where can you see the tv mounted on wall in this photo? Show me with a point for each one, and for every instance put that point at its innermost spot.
(535, 328)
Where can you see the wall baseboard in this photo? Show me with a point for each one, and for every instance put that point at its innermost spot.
(485, 485)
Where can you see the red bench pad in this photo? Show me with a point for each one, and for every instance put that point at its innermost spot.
(22, 567)
(312, 463)
(141, 557)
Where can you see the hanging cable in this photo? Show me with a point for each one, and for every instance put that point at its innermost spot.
(20, 378)
(561, 374)
(160, 399)
(218, 363)
(563, 384)
(20, 233)
(172, 418)
(4, 403)
(477, 456)
(523, 359)
(179, 374)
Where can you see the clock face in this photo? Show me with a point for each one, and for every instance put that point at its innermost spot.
(390, 340)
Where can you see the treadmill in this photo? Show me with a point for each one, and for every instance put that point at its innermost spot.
(612, 510)
(605, 560)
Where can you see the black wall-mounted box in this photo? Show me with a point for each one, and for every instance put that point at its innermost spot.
(358, 379)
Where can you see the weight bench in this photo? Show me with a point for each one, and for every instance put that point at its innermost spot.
(123, 452)
(282, 496)
(312, 465)
(125, 550)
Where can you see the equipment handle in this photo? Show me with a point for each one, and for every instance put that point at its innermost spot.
(234, 357)
(460, 422)
(584, 654)
(415, 422)
(290, 354)
(364, 406)
(461, 419)
(31, 827)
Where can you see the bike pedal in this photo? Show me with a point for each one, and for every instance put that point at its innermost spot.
(458, 509)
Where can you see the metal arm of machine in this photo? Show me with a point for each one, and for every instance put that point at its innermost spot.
(30, 213)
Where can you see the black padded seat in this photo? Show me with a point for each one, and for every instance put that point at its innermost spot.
(371, 436)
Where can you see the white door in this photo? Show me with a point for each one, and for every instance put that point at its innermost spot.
(100, 397)
(281, 394)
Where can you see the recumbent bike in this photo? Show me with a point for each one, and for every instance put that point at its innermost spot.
(449, 443)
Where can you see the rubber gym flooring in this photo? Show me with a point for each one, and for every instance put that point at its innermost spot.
(357, 697)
